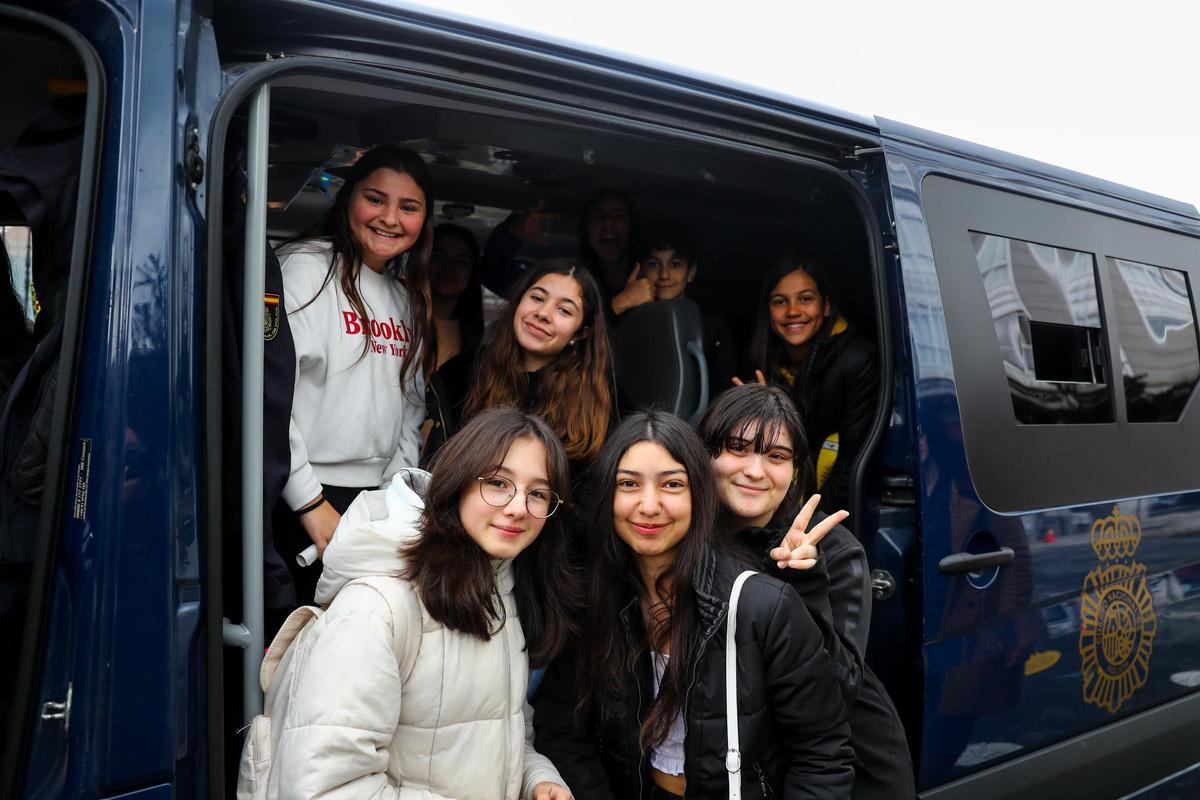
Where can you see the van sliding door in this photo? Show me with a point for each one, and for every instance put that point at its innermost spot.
(1055, 367)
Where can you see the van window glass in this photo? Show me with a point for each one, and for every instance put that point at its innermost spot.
(1156, 328)
(1046, 311)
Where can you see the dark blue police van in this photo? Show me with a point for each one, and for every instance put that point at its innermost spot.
(1029, 497)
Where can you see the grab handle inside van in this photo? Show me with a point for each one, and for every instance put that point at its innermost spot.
(963, 563)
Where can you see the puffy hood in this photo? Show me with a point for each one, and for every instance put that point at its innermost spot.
(372, 531)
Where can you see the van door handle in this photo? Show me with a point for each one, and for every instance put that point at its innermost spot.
(962, 563)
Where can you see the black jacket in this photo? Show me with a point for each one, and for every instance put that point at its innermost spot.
(838, 590)
(838, 393)
(445, 395)
(792, 719)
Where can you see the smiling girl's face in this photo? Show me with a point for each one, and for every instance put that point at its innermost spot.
(752, 484)
(504, 531)
(797, 311)
(547, 317)
(652, 503)
(386, 213)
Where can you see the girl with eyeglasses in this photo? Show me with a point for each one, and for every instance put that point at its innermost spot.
(419, 690)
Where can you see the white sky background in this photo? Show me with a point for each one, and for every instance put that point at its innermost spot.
(1092, 86)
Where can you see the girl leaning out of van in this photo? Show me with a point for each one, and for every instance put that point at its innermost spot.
(802, 343)
(413, 684)
(638, 708)
(759, 453)
(550, 356)
(357, 297)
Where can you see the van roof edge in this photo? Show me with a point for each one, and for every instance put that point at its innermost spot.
(950, 144)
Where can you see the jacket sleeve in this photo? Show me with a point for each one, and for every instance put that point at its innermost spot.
(564, 738)
(850, 591)
(810, 714)
(859, 392)
(345, 706)
(538, 768)
(815, 588)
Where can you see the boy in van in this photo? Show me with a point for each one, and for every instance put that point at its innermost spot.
(666, 258)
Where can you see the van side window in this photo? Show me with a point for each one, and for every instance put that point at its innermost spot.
(1156, 329)
(1046, 311)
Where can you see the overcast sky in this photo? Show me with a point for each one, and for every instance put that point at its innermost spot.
(1106, 92)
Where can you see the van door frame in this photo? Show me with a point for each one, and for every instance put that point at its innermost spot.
(33, 640)
(246, 81)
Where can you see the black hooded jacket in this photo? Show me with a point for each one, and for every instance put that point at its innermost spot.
(792, 718)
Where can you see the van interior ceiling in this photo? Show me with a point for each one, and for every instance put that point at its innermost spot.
(488, 163)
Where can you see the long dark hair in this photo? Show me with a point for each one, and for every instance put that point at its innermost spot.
(605, 656)
(468, 309)
(768, 411)
(454, 577)
(576, 393)
(411, 268)
(767, 351)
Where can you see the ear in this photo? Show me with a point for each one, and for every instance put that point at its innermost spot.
(828, 307)
(691, 276)
(581, 334)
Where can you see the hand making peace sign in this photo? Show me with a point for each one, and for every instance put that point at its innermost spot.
(798, 550)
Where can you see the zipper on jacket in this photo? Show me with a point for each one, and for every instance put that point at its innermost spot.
(687, 695)
(638, 717)
(767, 791)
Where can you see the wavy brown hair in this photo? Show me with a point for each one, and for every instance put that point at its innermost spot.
(454, 577)
(411, 268)
(576, 393)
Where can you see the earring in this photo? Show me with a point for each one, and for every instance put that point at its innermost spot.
(571, 343)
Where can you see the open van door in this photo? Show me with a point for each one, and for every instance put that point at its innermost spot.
(1051, 320)
(103, 701)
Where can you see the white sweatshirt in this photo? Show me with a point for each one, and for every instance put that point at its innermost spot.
(353, 424)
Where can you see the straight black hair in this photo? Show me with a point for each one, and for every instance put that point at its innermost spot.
(667, 234)
(605, 656)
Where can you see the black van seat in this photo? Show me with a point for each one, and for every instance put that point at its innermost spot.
(658, 349)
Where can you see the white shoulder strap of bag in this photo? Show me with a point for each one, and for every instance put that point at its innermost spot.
(733, 758)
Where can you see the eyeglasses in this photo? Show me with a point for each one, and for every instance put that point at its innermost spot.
(499, 492)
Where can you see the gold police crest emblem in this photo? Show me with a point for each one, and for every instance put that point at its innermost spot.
(1116, 633)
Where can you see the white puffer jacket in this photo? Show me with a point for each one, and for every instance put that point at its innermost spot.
(412, 711)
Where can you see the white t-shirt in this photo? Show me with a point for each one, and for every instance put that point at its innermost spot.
(353, 424)
(668, 756)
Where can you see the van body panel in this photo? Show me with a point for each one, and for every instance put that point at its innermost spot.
(1071, 635)
(126, 582)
